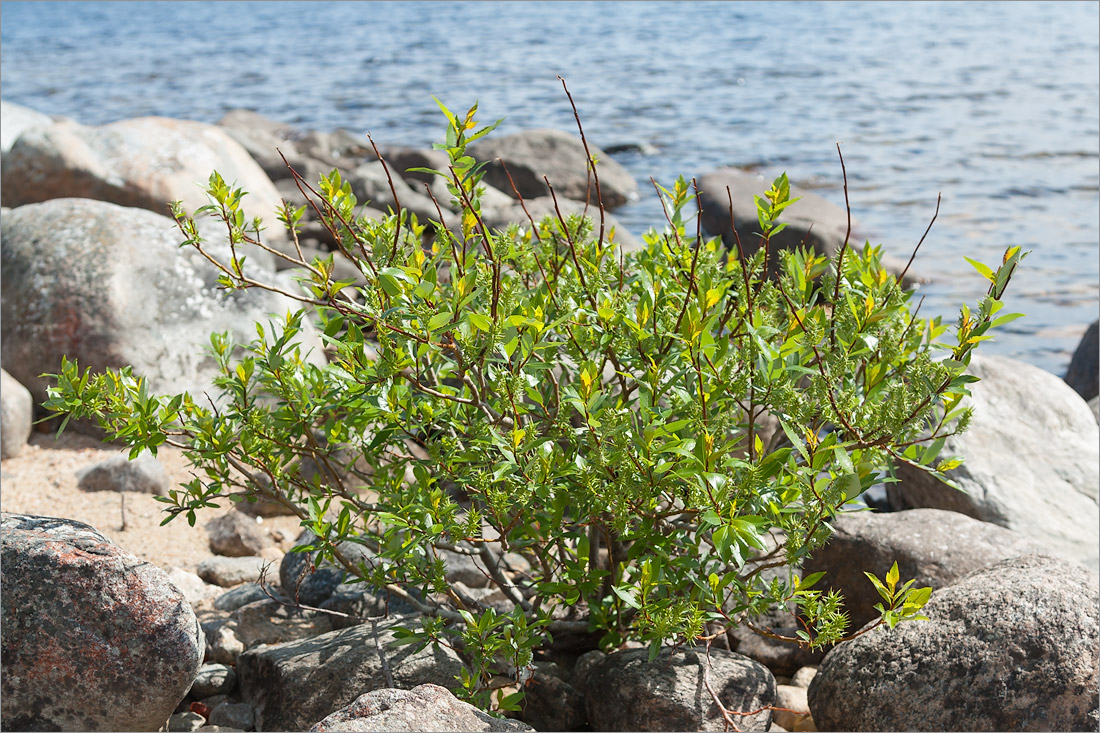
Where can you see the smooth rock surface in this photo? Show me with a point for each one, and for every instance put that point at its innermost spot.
(294, 685)
(1032, 461)
(16, 415)
(230, 571)
(235, 534)
(1011, 647)
(624, 691)
(94, 638)
(932, 546)
(425, 707)
(15, 119)
(144, 475)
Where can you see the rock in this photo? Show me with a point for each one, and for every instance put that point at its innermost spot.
(229, 571)
(1032, 461)
(143, 475)
(1014, 646)
(303, 581)
(624, 691)
(933, 546)
(217, 729)
(1084, 368)
(539, 208)
(110, 287)
(781, 657)
(235, 535)
(194, 588)
(401, 159)
(291, 686)
(223, 646)
(16, 415)
(144, 162)
(550, 702)
(262, 138)
(425, 707)
(1094, 404)
(94, 638)
(792, 708)
(237, 715)
(270, 622)
(371, 185)
(185, 722)
(559, 156)
(14, 119)
(829, 222)
(213, 679)
(360, 601)
(239, 596)
(804, 676)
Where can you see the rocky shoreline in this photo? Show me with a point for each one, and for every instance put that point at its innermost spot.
(92, 269)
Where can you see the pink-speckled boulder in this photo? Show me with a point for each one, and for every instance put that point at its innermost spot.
(93, 638)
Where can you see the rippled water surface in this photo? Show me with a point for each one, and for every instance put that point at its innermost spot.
(996, 105)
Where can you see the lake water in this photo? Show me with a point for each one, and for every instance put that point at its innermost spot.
(996, 105)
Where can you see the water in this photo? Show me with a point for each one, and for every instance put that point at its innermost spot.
(996, 105)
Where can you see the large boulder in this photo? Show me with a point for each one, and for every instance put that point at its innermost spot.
(932, 546)
(94, 638)
(1083, 373)
(16, 415)
(14, 120)
(813, 221)
(296, 684)
(110, 286)
(144, 475)
(625, 691)
(1032, 461)
(144, 162)
(425, 707)
(559, 156)
(1012, 647)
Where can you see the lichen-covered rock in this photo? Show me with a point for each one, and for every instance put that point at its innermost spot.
(624, 691)
(93, 638)
(1012, 647)
(294, 685)
(16, 415)
(143, 475)
(1032, 461)
(425, 707)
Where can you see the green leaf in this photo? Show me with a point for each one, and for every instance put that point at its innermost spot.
(480, 322)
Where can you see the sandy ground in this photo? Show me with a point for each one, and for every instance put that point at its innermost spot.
(42, 480)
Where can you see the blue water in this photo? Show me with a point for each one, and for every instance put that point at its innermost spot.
(996, 105)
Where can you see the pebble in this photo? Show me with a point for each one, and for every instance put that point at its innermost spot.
(213, 679)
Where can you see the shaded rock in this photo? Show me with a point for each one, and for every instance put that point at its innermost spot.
(240, 595)
(794, 709)
(425, 707)
(1032, 461)
(1094, 404)
(14, 119)
(1014, 646)
(1083, 372)
(401, 159)
(223, 646)
(550, 702)
(94, 638)
(559, 156)
(624, 691)
(360, 601)
(814, 220)
(144, 162)
(933, 546)
(291, 686)
(110, 287)
(229, 571)
(144, 475)
(303, 581)
(370, 185)
(237, 715)
(16, 415)
(213, 679)
(184, 722)
(236, 535)
(270, 622)
(781, 657)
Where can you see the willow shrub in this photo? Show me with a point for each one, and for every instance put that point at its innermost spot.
(623, 441)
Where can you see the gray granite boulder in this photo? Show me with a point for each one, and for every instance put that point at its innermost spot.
(94, 638)
(110, 287)
(560, 156)
(16, 415)
(142, 475)
(933, 546)
(625, 691)
(1032, 461)
(1082, 373)
(294, 685)
(424, 707)
(1011, 647)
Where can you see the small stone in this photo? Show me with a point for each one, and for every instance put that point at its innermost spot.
(194, 588)
(213, 679)
(234, 715)
(803, 676)
(270, 622)
(185, 722)
(144, 475)
(16, 416)
(791, 707)
(230, 571)
(223, 646)
(236, 535)
(240, 595)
